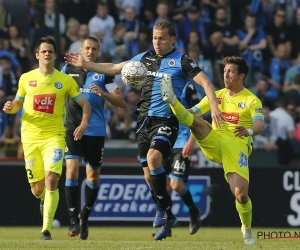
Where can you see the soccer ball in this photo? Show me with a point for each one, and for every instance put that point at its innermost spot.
(134, 73)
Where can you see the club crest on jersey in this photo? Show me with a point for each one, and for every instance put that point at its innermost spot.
(96, 77)
(242, 105)
(58, 85)
(171, 63)
(243, 161)
(32, 83)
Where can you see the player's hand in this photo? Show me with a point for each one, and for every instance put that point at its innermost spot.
(241, 131)
(217, 116)
(8, 106)
(79, 131)
(75, 59)
(97, 89)
(188, 150)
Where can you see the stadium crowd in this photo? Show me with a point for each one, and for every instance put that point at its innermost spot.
(265, 33)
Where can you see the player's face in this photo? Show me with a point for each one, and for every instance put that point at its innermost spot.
(162, 42)
(90, 50)
(46, 54)
(232, 78)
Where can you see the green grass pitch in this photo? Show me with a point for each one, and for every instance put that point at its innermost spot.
(131, 238)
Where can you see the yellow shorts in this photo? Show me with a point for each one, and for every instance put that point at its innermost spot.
(224, 149)
(44, 155)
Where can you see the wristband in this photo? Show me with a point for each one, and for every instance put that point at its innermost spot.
(250, 131)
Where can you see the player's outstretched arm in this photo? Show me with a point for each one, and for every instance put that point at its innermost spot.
(216, 113)
(77, 60)
(12, 107)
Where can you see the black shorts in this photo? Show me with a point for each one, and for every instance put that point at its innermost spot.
(159, 133)
(89, 148)
(177, 167)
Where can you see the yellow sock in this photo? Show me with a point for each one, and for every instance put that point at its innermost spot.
(182, 115)
(245, 213)
(50, 206)
(42, 195)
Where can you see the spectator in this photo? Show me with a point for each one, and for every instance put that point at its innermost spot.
(117, 46)
(122, 126)
(293, 32)
(220, 24)
(267, 139)
(285, 129)
(4, 126)
(120, 6)
(252, 42)
(142, 43)
(49, 17)
(74, 9)
(266, 92)
(179, 9)
(277, 67)
(294, 93)
(6, 20)
(83, 32)
(219, 51)
(19, 46)
(132, 23)
(133, 96)
(8, 79)
(277, 33)
(192, 21)
(290, 75)
(70, 36)
(162, 13)
(101, 25)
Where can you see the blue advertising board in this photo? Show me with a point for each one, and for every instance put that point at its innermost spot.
(127, 198)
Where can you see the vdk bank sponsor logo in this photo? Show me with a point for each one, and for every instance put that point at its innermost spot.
(127, 198)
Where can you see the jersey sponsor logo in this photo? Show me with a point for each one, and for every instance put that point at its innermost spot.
(57, 155)
(86, 90)
(243, 161)
(58, 85)
(232, 117)
(153, 73)
(242, 105)
(44, 103)
(219, 100)
(32, 83)
(172, 62)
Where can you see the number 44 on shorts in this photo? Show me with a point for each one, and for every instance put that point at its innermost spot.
(179, 167)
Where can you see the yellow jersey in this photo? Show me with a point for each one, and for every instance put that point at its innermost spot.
(44, 97)
(240, 109)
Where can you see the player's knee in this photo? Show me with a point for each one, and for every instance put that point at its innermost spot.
(94, 179)
(242, 198)
(37, 190)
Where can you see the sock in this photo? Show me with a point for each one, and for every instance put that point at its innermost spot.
(245, 213)
(158, 180)
(50, 206)
(91, 192)
(42, 195)
(181, 113)
(169, 204)
(72, 195)
(152, 194)
(187, 199)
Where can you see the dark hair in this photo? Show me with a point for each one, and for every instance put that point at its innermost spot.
(243, 67)
(48, 40)
(5, 58)
(165, 24)
(93, 39)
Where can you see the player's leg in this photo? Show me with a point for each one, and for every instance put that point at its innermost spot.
(178, 176)
(236, 170)
(93, 156)
(73, 155)
(52, 151)
(197, 124)
(36, 175)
